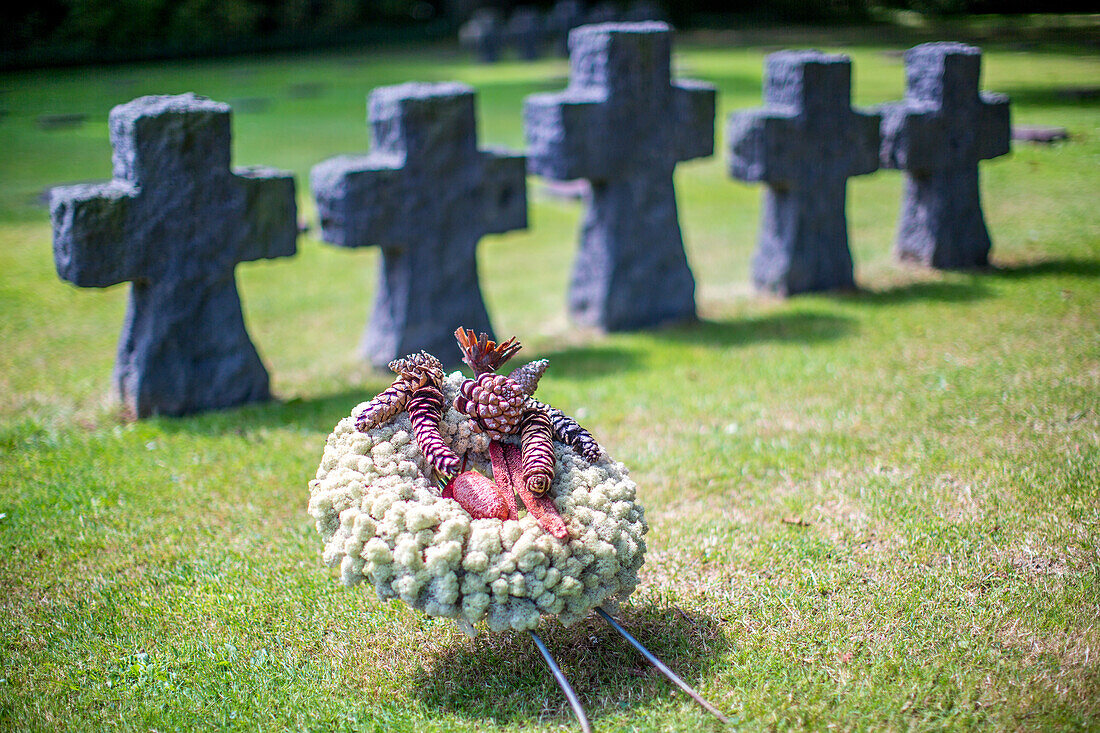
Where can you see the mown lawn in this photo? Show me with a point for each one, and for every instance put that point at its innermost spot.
(877, 510)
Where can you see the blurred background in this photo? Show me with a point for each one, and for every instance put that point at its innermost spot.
(59, 32)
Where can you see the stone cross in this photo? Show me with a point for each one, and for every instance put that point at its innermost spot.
(804, 144)
(175, 221)
(937, 135)
(623, 125)
(425, 194)
(525, 31)
(563, 17)
(484, 33)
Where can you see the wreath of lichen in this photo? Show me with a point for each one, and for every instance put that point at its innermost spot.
(383, 520)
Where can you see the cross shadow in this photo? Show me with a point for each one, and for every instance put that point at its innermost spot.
(791, 325)
(500, 679)
(947, 292)
(314, 413)
(586, 361)
(976, 281)
(1078, 267)
(1039, 96)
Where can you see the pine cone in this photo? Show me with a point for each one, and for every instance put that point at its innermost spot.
(567, 430)
(422, 368)
(425, 408)
(528, 375)
(387, 404)
(494, 402)
(537, 444)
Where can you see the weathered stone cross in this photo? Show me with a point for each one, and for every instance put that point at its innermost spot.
(425, 194)
(804, 144)
(937, 135)
(623, 125)
(175, 221)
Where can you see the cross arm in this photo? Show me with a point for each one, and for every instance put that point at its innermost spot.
(995, 126)
(92, 234)
(270, 215)
(911, 136)
(763, 146)
(693, 113)
(360, 199)
(503, 193)
(862, 140)
(565, 139)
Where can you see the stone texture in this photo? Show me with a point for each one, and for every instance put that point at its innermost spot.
(623, 125)
(937, 135)
(425, 194)
(804, 144)
(175, 221)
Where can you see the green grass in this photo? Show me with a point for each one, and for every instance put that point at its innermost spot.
(936, 434)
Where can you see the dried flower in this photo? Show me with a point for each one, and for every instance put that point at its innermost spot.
(483, 355)
(479, 496)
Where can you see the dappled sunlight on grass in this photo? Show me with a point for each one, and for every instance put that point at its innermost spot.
(869, 510)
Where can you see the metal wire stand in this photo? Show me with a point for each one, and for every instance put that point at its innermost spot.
(562, 683)
(661, 667)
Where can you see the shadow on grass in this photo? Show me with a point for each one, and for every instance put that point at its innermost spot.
(318, 413)
(945, 292)
(795, 325)
(501, 677)
(972, 284)
(574, 362)
(1046, 96)
(589, 360)
(1077, 267)
(594, 360)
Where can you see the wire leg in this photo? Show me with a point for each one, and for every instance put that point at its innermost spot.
(562, 683)
(661, 666)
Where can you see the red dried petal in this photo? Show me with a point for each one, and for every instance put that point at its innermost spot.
(479, 496)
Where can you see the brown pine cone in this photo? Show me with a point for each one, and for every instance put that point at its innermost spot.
(422, 368)
(387, 404)
(494, 402)
(425, 408)
(567, 430)
(537, 445)
(528, 375)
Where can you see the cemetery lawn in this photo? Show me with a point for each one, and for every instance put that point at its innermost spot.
(871, 510)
